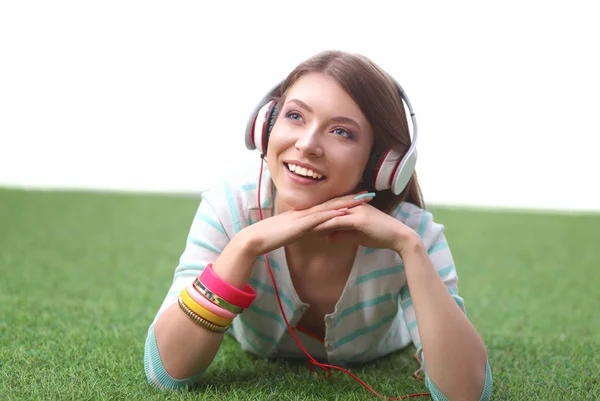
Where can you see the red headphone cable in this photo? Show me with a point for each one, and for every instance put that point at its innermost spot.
(312, 361)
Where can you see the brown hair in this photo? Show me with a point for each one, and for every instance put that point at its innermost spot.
(376, 93)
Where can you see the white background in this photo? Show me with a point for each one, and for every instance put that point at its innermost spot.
(154, 96)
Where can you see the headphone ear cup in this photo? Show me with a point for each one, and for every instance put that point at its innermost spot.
(387, 170)
(404, 172)
(257, 136)
(260, 115)
(394, 172)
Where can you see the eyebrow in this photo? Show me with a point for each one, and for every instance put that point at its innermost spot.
(339, 119)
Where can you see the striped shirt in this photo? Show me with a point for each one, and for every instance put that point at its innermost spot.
(373, 317)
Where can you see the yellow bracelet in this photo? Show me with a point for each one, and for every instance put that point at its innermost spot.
(202, 311)
(199, 321)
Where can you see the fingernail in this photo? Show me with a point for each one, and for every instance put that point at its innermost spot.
(367, 195)
(342, 209)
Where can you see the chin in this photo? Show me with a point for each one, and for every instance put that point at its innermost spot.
(300, 201)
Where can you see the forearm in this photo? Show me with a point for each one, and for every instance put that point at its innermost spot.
(185, 347)
(454, 352)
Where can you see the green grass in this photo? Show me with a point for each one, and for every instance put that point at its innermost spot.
(82, 275)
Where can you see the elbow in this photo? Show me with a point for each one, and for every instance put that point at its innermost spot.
(473, 384)
(484, 376)
(160, 379)
(479, 386)
(479, 382)
(156, 375)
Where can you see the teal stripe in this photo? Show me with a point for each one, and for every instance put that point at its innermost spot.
(405, 292)
(192, 265)
(267, 314)
(250, 343)
(400, 212)
(203, 244)
(365, 330)
(453, 291)
(411, 325)
(185, 273)
(460, 303)
(268, 288)
(357, 356)
(437, 247)
(272, 262)
(258, 334)
(249, 187)
(213, 223)
(379, 273)
(406, 303)
(235, 217)
(370, 250)
(423, 225)
(249, 222)
(446, 270)
(403, 214)
(365, 304)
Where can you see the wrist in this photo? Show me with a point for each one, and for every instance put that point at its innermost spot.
(408, 242)
(248, 243)
(234, 264)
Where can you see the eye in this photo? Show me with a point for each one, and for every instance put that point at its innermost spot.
(293, 115)
(343, 132)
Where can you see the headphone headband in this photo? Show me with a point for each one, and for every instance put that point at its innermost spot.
(388, 170)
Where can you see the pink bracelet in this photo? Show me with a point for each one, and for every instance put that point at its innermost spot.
(217, 310)
(222, 289)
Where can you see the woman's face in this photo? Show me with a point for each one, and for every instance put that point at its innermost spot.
(319, 145)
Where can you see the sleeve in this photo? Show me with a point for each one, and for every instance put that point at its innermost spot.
(437, 248)
(206, 239)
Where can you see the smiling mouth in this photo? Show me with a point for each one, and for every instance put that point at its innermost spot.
(304, 172)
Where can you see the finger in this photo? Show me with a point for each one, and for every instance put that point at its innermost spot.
(313, 220)
(346, 201)
(341, 222)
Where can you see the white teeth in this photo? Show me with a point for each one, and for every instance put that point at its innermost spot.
(305, 172)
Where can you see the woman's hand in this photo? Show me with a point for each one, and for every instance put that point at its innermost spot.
(286, 228)
(368, 226)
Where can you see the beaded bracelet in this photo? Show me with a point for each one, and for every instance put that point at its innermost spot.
(200, 321)
(202, 311)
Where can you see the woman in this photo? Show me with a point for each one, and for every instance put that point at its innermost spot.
(357, 274)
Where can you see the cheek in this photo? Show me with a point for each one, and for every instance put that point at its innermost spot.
(276, 142)
(352, 165)
(274, 145)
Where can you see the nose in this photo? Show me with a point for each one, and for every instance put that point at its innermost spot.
(309, 143)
